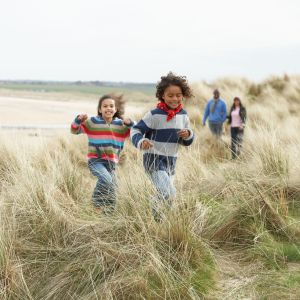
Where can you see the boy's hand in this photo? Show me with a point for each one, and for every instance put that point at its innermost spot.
(82, 117)
(127, 122)
(146, 144)
(184, 133)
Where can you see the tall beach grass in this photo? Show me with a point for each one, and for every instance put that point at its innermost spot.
(232, 233)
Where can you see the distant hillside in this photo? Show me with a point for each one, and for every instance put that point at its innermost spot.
(86, 87)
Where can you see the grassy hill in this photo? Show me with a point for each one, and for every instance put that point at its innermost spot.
(233, 231)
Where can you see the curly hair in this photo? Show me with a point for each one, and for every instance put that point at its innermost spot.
(172, 79)
(119, 102)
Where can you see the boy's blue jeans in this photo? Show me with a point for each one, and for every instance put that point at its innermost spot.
(105, 191)
(166, 191)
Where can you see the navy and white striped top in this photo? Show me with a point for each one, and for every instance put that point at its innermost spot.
(163, 135)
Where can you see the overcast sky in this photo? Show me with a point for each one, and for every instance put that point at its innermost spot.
(139, 40)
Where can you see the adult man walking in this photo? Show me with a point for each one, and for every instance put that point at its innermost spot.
(216, 113)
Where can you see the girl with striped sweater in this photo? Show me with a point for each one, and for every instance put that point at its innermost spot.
(159, 134)
(106, 136)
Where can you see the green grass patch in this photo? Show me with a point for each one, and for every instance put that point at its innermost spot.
(293, 280)
(291, 252)
(274, 252)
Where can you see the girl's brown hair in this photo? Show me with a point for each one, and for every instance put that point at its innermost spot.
(119, 103)
(172, 79)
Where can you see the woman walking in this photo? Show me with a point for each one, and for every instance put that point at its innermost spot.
(237, 120)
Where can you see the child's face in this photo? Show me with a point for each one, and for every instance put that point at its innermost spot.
(108, 109)
(173, 96)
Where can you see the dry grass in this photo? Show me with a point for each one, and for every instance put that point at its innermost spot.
(233, 232)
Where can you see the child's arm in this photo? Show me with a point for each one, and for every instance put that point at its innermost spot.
(186, 135)
(128, 123)
(76, 126)
(139, 130)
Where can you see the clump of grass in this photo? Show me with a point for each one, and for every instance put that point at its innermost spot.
(274, 162)
(86, 257)
(255, 90)
(277, 83)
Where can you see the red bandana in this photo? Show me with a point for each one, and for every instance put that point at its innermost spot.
(171, 112)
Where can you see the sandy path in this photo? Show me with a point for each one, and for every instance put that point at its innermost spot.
(23, 112)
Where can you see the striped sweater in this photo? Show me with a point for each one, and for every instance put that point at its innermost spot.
(163, 135)
(106, 141)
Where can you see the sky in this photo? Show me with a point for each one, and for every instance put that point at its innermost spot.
(139, 40)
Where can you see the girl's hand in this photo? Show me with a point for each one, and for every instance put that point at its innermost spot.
(82, 117)
(184, 133)
(127, 122)
(146, 144)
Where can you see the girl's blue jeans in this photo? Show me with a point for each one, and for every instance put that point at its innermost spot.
(105, 191)
(166, 191)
